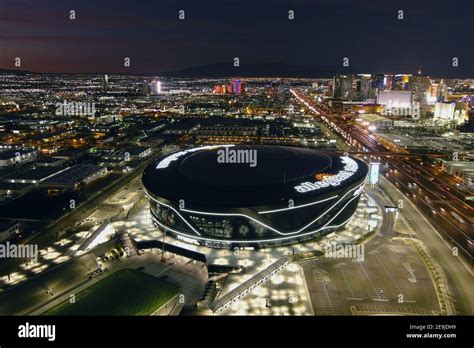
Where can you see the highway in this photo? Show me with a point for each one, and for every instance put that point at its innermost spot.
(458, 272)
(429, 192)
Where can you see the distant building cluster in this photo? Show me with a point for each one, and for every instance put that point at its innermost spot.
(234, 87)
(152, 87)
(400, 95)
(462, 170)
(48, 158)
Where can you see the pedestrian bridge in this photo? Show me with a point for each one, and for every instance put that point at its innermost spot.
(243, 289)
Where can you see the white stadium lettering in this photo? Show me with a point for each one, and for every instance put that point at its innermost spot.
(350, 168)
(164, 163)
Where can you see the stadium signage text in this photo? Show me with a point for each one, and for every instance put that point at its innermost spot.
(350, 167)
(164, 163)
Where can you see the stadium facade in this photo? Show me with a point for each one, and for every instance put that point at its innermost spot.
(252, 196)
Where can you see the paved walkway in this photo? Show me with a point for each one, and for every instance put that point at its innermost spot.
(249, 285)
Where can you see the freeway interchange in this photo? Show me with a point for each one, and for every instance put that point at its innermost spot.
(432, 191)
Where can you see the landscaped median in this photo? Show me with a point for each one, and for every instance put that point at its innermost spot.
(125, 292)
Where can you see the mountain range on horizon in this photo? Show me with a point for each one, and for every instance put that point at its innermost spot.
(274, 70)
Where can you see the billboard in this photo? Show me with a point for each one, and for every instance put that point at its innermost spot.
(401, 99)
(390, 209)
(444, 111)
(374, 172)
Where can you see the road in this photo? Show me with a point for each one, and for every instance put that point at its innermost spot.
(373, 286)
(458, 272)
(50, 234)
(421, 203)
(430, 193)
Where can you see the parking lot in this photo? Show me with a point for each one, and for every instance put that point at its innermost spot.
(391, 279)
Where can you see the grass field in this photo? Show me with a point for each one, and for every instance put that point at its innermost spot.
(125, 292)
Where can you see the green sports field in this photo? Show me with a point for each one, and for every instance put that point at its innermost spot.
(125, 292)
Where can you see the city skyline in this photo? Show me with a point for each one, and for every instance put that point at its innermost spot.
(238, 160)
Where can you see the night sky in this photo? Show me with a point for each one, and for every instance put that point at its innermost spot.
(256, 31)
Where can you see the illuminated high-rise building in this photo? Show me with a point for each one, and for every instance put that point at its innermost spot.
(364, 88)
(105, 83)
(234, 87)
(378, 82)
(155, 87)
(218, 89)
(342, 87)
(355, 87)
(146, 87)
(400, 82)
(439, 91)
(420, 86)
(387, 82)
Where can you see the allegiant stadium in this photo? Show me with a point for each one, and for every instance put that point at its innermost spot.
(252, 196)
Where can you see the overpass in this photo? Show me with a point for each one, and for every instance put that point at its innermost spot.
(243, 289)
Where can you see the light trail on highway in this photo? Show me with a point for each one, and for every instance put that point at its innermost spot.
(431, 194)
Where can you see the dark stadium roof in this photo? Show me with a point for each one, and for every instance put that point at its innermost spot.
(274, 165)
(199, 179)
